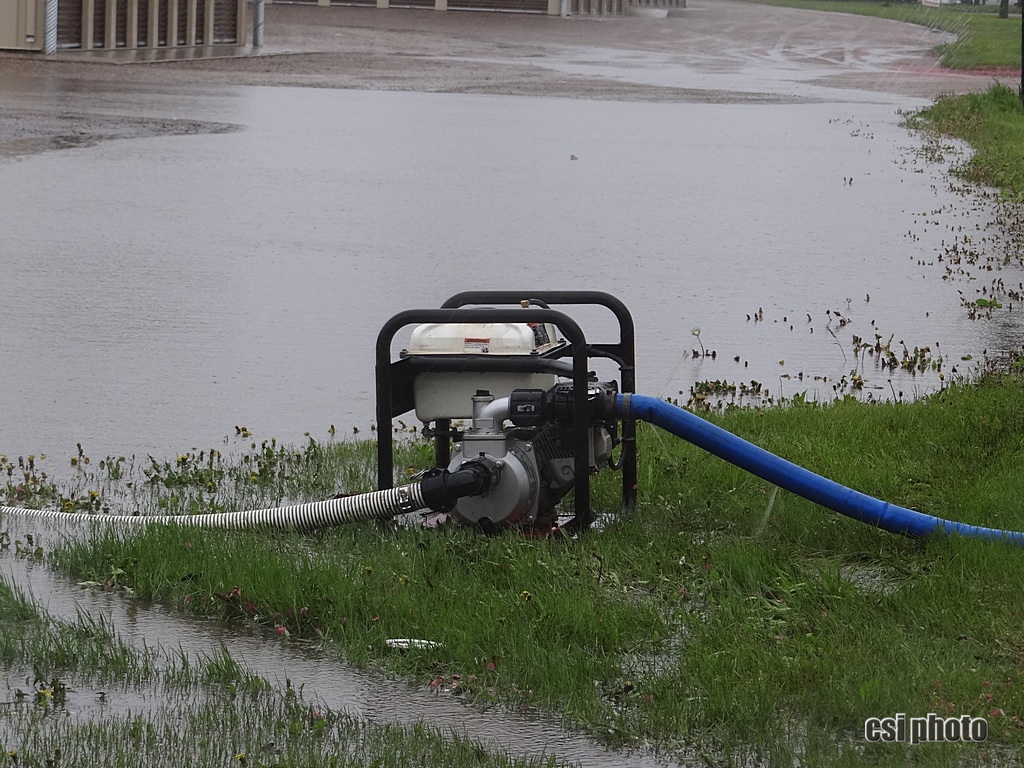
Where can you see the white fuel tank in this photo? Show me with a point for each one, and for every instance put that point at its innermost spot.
(449, 395)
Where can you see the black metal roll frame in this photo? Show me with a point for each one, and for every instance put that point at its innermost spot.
(394, 379)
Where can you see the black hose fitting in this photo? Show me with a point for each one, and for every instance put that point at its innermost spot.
(441, 490)
(536, 407)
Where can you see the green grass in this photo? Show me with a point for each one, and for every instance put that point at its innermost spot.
(984, 41)
(721, 618)
(993, 124)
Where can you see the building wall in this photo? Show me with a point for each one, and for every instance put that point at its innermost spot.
(169, 24)
(21, 24)
(125, 24)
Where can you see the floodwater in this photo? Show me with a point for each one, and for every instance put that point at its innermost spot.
(159, 291)
(322, 676)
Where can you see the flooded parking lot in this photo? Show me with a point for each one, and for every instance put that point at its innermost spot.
(230, 258)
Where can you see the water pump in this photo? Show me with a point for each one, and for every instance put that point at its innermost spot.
(538, 425)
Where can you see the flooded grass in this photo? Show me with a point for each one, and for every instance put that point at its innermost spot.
(722, 618)
(993, 124)
(77, 695)
(235, 729)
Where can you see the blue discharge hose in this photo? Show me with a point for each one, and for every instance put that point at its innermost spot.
(791, 477)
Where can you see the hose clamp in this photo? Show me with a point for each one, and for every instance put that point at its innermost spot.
(627, 405)
(405, 500)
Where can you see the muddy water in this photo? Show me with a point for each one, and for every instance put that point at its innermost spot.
(159, 291)
(322, 676)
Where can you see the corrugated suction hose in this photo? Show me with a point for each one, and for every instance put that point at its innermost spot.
(376, 505)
